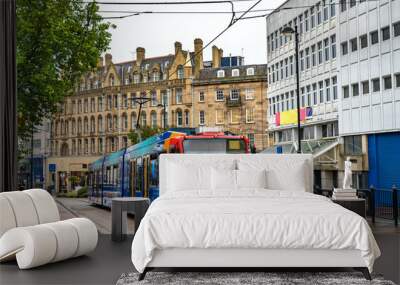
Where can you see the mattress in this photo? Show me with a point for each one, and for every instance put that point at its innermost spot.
(250, 219)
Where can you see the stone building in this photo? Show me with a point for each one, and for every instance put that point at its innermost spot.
(232, 99)
(98, 117)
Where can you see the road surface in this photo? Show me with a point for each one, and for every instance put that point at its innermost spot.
(80, 207)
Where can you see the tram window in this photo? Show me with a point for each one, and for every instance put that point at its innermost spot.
(204, 146)
(115, 175)
(108, 175)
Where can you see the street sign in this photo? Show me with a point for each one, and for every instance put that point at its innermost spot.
(52, 167)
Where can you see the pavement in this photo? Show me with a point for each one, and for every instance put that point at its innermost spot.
(81, 207)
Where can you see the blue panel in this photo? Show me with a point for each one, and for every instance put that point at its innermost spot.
(384, 158)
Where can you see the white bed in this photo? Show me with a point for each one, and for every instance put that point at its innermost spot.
(218, 224)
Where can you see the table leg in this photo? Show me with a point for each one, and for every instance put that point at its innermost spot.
(116, 221)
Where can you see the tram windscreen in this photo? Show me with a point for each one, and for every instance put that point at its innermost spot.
(214, 146)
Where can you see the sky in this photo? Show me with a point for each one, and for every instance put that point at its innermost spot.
(158, 32)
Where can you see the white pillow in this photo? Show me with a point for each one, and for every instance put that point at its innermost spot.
(184, 177)
(223, 179)
(251, 178)
(285, 174)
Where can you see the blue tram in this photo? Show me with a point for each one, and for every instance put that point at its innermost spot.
(133, 172)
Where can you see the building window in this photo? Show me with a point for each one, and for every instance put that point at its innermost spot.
(319, 15)
(396, 29)
(156, 76)
(201, 96)
(385, 33)
(353, 3)
(186, 118)
(315, 100)
(344, 48)
(291, 65)
(313, 58)
(355, 89)
(363, 41)
(312, 17)
(220, 73)
(397, 77)
(328, 90)
(333, 8)
(250, 93)
(330, 130)
(387, 82)
(353, 44)
(333, 46)
(326, 11)
(343, 5)
(178, 95)
(219, 96)
(353, 145)
(235, 94)
(365, 87)
(307, 133)
(136, 78)
(306, 22)
(326, 46)
(334, 88)
(143, 119)
(307, 58)
(374, 37)
(235, 116)
(346, 91)
(153, 96)
(219, 117)
(116, 101)
(153, 119)
(319, 52)
(202, 118)
(180, 72)
(249, 115)
(235, 72)
(301, 60)
(376, 85)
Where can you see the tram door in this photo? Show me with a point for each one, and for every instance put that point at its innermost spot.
(133, 174)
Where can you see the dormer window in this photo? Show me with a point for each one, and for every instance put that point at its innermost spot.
(111, 80)
(166, 64)
(220, 73)
(235, 72)
(146, 66)
(250, 71)
(156, 76)
(180, 72)
(136, 78)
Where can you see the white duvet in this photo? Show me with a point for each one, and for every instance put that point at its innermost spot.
(252, 218)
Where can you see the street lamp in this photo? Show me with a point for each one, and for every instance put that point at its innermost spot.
(287, 31)
(164, 114)
(141, 101)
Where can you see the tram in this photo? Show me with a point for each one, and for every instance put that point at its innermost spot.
(133, 171)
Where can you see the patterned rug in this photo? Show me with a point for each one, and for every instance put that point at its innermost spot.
(243, 278)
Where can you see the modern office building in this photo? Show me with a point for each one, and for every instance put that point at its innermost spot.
(349, 61)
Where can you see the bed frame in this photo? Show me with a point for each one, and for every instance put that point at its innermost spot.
(245, 259)
(260, 259)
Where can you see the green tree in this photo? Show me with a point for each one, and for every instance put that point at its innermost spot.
(143, 133)
(57, 42)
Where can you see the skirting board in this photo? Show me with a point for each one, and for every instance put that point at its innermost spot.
(189, 257)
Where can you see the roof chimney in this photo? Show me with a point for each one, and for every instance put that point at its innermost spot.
(198, 56)
(100, 61)
(140, 54)
(216, 57)
(178, 47)
(108, 58)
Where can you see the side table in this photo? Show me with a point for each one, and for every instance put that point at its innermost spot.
(358, 205)
(119, 210)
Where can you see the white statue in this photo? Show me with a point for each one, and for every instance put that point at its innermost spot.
(347, 180)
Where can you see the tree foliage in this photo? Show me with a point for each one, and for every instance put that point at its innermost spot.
(57, 42)
(143, 133)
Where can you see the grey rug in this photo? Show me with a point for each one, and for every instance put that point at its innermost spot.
(236, 278)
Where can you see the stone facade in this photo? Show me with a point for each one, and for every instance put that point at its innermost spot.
(233, 99)
(98, 117)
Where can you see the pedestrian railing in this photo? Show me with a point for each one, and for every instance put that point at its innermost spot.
(380, 203)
